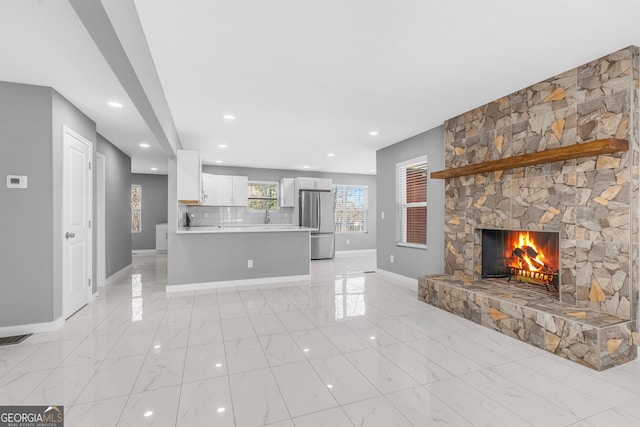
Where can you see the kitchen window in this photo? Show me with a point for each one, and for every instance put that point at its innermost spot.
(351, 208)
(263, 195)
(411, 200)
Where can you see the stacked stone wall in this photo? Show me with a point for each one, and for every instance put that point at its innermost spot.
(592, 202)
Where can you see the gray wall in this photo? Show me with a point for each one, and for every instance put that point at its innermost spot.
(31, 120)
(154, 208)
(118, 206)
(357, 241)
(26, 262)
(411, 262)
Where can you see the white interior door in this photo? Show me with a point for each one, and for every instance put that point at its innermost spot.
(76, 217)
(101, 242)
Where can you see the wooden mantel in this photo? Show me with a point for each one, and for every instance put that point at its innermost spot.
(585, 149)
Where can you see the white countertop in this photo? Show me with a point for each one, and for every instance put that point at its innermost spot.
(247, 228)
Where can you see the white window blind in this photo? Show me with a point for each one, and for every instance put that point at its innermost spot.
(263, 195)
(351, 208)
(411, 199)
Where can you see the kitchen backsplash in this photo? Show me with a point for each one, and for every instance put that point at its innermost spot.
(207, 216)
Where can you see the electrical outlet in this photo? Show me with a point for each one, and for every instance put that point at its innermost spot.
(347, 241)
(381, 215)
(250, 263)
(391, 259)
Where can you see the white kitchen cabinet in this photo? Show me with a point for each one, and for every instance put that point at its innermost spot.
(224, 190)
(240, 192)
(161, 237)
(314, 184)
(209, 190)
(287, 192)
(189, 177)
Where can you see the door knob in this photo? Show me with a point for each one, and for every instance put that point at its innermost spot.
(70, 235)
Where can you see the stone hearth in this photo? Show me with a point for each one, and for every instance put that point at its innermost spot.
(592, 338)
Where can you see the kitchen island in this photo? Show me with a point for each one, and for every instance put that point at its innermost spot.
(236, 255)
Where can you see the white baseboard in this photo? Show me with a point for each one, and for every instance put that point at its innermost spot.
(404, 280)
(189, 287)
(359, 252)
(145, 251)
(32, 328)
(117, 276)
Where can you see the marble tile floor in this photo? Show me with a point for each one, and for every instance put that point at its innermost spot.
(346, 348)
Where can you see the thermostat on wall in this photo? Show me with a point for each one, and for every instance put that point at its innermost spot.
(16, 181)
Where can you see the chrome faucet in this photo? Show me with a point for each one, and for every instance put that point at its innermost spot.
(267, 218)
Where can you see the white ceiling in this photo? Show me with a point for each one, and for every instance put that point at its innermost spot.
(308, 78)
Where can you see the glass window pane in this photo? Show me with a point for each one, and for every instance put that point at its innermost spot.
(355, 198)
(256, 204)
(339, 191)
(272, 191)
(416, 182)
(417, 225)
(339, 221)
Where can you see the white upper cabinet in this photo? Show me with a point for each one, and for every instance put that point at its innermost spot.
(224, 190)
(189, 177)
(209, 190)
(240, 192)
(287, 192)
(314, 184)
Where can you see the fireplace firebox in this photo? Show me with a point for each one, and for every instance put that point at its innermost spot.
(525, 258)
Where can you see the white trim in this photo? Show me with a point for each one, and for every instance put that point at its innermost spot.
(145, 252)
(118, 275)
(404, 280)
(31, 328)
(359, 252)
(411, 245)
(101, 215)
(189, 287)
(90, 196)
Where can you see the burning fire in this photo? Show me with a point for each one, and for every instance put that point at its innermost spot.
(526, 250)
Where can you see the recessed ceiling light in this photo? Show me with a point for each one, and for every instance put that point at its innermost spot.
(154, 169)
(374, 133)
(148, 413)
(218, 161)
(329, 386)
(218, 365)
(306, 350)
(114, 104)
(222, 145)
(330, 154)
(372, 170)
(221, 410)
(372, 337)
(229, 117)
(156, 347)
(144, 145)
(305, 167)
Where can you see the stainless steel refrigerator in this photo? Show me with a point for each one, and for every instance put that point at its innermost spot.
(317, 210)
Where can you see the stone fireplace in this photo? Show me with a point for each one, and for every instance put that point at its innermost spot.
(589, 203)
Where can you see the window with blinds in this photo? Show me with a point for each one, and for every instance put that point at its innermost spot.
(351, 208)
(411, 197)
(263, 196)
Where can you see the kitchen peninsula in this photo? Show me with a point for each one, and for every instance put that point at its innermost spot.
(220, 256)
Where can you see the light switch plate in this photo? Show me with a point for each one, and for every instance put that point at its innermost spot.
(16, 181)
